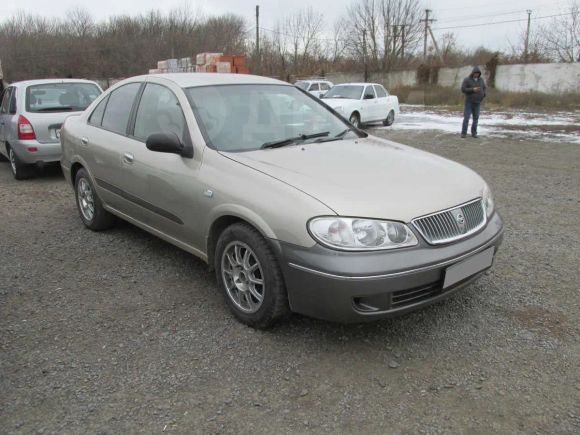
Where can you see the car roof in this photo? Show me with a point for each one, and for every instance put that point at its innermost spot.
(358, 84)
(314, 81)
(188, 80)
(49, 81)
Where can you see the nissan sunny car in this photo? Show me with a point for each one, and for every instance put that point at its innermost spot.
(294, 208)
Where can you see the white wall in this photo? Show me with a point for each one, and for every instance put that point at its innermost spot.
(551, 78)
(453, 77)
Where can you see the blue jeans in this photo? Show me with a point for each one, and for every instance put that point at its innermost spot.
(469, 110)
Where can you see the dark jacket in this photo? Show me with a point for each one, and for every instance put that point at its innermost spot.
(469, 83)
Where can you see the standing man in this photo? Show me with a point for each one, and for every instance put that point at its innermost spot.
(473, 87)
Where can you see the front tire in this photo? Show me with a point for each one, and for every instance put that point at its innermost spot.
(390, 119)
(355, 120)
(250, 277)
(20, 171)
(91, 210)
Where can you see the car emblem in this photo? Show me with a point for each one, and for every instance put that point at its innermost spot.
(460, 219)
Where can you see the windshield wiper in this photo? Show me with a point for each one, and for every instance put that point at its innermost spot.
(291, 140)
(336, 137)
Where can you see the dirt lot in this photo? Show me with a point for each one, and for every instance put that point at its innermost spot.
(119, 332)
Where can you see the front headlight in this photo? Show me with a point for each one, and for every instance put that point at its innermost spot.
(488, 203)
(356, 234)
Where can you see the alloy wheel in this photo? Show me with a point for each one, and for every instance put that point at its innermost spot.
(12, 158)
(86, 199)
(243, 277)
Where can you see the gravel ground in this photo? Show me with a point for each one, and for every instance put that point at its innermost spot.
(119, 332)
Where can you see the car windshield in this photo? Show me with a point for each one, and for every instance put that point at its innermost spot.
(248, 117)
(302, 85)
(351, 92)
(60, 97)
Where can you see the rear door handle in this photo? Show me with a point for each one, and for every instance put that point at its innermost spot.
(128, 158)
(84, 141)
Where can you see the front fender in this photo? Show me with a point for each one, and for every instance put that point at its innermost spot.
(243, 213)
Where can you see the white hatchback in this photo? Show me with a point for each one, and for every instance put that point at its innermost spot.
(362, 103)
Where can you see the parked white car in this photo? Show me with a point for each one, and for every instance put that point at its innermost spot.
(362, 103)
(318, 88)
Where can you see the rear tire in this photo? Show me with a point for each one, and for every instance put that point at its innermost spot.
(90, 207)
(21, 171)
(390, 119)
(250, 278)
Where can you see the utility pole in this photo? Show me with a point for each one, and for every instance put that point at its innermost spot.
(427, 20)
(365, 54)
(395, 36)
(403, 42)
(529, 11)
(258, 60)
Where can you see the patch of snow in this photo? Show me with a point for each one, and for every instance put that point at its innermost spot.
(536, 126)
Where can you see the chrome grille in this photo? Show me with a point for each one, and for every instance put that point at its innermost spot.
(452, 224)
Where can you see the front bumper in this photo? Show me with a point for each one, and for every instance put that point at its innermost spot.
(45, 152)
(362, 286)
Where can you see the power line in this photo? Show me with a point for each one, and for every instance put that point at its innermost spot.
(501, 22)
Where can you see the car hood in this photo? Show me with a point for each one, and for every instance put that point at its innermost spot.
(335, 102)
(369, 177)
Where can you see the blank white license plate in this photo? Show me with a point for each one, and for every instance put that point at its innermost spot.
(465, 269)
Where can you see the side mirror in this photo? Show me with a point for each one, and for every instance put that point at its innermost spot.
(368, 97)
(168, 143)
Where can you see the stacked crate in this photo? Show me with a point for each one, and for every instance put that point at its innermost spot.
(218, 62)
(204, 62)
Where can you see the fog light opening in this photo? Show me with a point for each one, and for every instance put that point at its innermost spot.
(362, 305)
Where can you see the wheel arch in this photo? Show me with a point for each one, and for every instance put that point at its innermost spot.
(75, 165)
(221, 220)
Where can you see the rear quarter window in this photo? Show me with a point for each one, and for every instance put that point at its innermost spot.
(96, 117)
(118, 110)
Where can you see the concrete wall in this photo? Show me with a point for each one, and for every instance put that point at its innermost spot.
(453, 77)
(551, 78)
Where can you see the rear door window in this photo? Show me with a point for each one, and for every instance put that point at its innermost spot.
(381, 93)
(118, 110)
(159, 112)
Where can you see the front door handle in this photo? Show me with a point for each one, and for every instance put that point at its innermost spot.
(128, 158)
(84, 140)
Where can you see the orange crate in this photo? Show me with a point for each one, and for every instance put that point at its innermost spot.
(226, 58)
(240, 61)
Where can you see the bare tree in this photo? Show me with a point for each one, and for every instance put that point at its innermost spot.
(303, 30)
(392, 30)
(562, 35)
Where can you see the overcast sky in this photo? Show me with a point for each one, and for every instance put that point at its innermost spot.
(449, 13)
